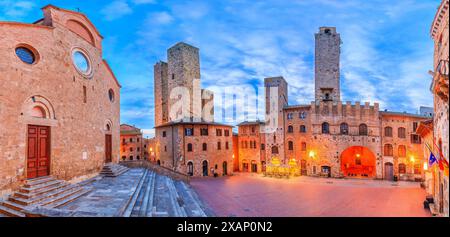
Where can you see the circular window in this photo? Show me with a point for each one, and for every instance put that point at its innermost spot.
(81, 62)
(111, 95)
(27, 56)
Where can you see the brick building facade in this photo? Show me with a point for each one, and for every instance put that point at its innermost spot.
(131, 143)
(333, 138)
(59, 100)
(440, 89)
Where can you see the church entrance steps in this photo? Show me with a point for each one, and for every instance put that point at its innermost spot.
(113, 170)
(43, 191)
(38, 181)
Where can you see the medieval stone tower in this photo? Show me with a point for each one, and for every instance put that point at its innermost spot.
(183, 69)
(161, 93)
(181, 73)
(276, 100)
(327, 53)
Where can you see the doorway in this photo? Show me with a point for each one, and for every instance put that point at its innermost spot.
(38, 154)
(190, 168)
(205, 168)
(389, 171)
(108, 148)
(225, 168)
(303, 167)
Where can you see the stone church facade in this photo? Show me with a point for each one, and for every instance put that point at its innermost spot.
(329, 137)
(59, 100)
(187, 140)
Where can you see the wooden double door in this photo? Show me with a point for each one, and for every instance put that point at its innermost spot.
(38, 153)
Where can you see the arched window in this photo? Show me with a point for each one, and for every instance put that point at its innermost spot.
(344, 128)
(302, 128)
(402, 132)
(363, 130)
(388, 150)
(325, 128)
(190, 168)
(205, 146)
(401, 168)
(291, 145)
(189, 147)
(303, 146)
(290, 129)
(274, 150)
(402, 151)
(388, 131)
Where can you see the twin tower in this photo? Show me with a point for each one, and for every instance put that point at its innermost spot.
(182, 70)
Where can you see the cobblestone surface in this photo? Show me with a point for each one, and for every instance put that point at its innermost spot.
(255, 195)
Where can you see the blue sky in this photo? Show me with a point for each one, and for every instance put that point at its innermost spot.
(386, 52)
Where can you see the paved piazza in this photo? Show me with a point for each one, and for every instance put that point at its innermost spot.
(254, 195)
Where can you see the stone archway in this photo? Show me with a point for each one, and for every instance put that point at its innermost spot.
(358, 161)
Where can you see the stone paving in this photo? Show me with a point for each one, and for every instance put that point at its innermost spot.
(251, 195)
(137, 193)
(109, 195)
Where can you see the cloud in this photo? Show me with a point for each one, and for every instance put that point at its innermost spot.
(243, 42)
(115, 10)
(144, 1)
(16, 9)
(161, 18)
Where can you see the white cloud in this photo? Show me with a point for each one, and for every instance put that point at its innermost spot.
(161, 18)
(115, 10)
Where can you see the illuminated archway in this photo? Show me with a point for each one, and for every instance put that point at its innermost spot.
(358, 161)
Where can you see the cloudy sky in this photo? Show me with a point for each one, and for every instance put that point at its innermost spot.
(386, 52)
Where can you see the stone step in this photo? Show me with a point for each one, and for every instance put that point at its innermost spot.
(139, 204)
(32, 182)
(10, 212)
(12, 205)
(69, 199)
(176, 201)
(27, 194)
(129, 206)
(38, 187)
(61, 196)
(40, 198)
(192, 206)
(148, 197)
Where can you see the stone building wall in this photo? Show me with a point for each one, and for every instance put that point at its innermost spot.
(327, 54)
(183, 70)
(77, 107)
(276, 99)
(440, 89)
(178, 157)
(131, 143)
(161, 93)
(251, 147)
(414, 151)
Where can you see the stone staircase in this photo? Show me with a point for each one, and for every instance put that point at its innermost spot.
(45, 192)
(113, 170)
(161, 196)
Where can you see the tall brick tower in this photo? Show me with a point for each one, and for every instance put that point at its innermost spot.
(327, 54)
(276, 100)
(183, 69)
